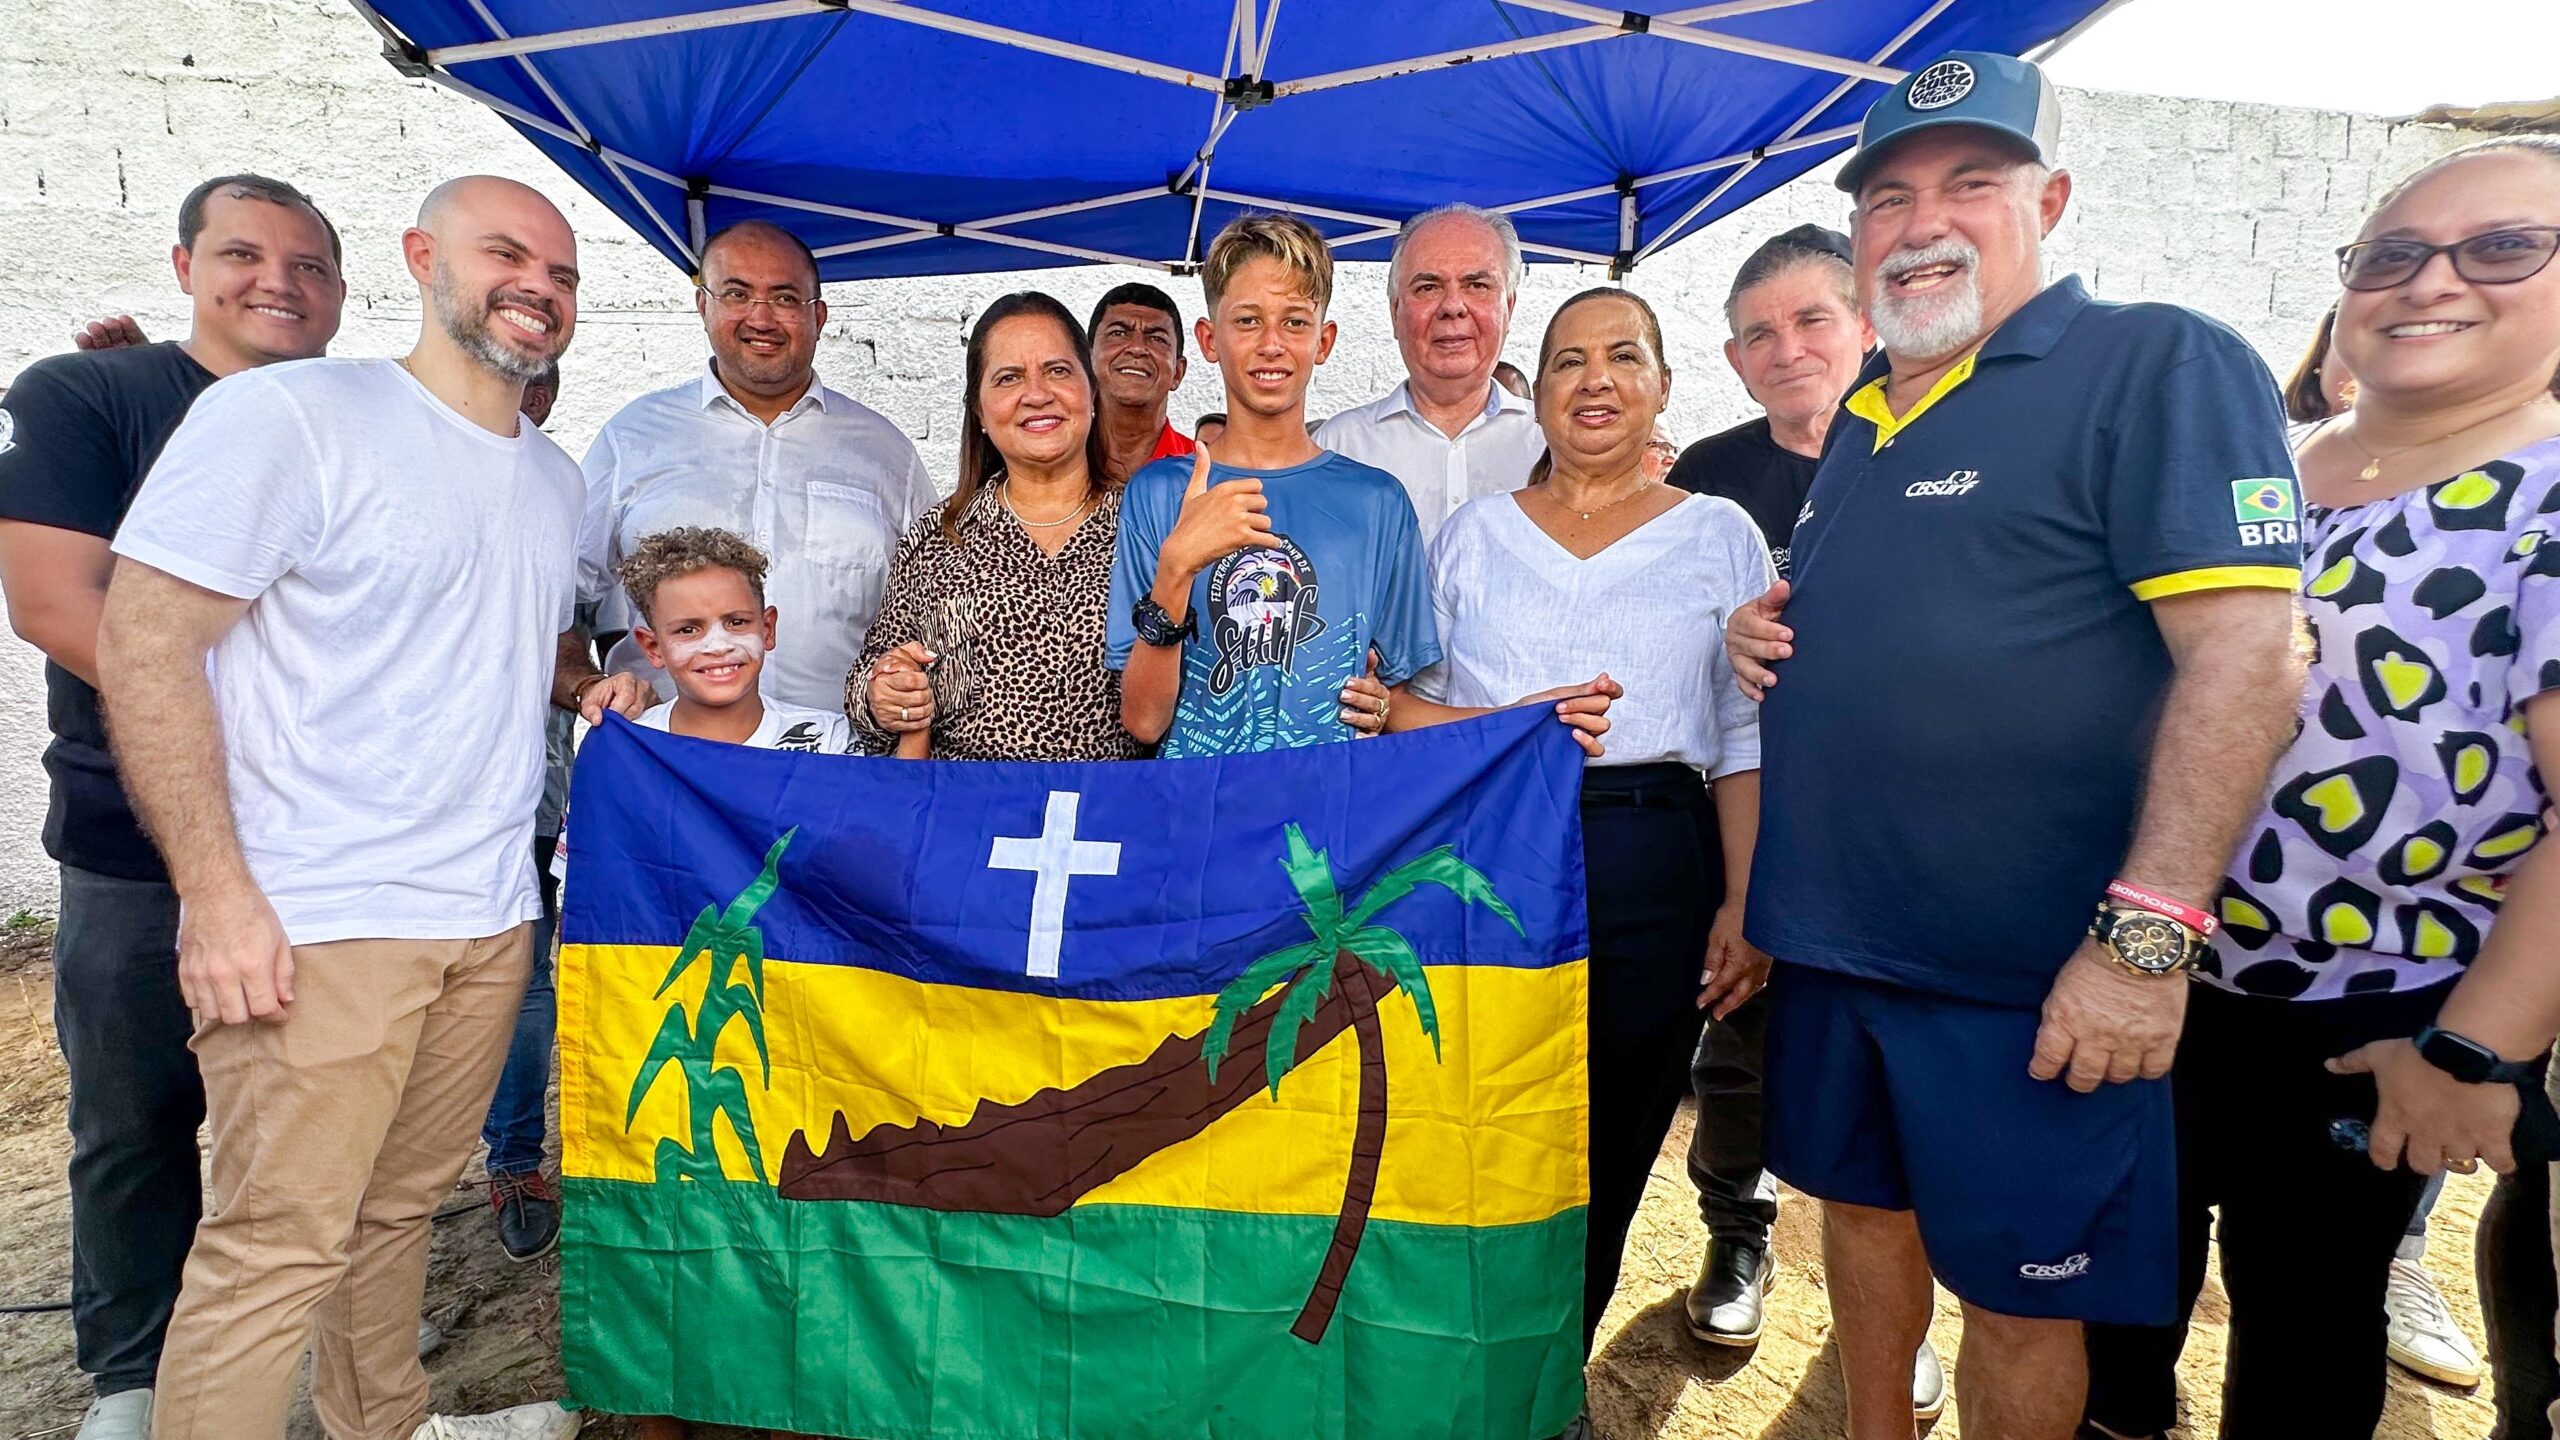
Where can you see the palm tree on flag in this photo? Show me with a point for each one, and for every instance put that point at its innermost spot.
(1345, 948)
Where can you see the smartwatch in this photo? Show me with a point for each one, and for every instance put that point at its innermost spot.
(1156, 627)
(2468, 1060)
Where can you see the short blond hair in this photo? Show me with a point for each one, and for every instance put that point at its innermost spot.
(1285, 238)
(673, 554)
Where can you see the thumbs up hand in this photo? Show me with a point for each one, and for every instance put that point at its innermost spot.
(1215, 521)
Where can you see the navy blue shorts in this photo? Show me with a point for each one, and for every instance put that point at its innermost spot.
(2032, 1200)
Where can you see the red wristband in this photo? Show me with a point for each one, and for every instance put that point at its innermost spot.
(2200, 921)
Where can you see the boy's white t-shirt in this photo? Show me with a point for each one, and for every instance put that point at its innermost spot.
(784, 727)
(381, 703)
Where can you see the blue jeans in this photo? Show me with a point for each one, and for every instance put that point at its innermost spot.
(514, 1129)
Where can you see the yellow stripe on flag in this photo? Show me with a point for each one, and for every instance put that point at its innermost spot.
(1494, 1134)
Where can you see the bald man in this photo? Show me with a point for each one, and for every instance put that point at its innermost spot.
(377, 556)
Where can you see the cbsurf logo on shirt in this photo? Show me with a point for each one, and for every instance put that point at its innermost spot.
(2265, 512)
(8, 432)
(1262, 607)
(1958, 482)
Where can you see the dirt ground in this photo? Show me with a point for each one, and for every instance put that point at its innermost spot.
(1650, 1380)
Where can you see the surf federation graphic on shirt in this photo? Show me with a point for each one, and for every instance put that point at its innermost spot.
(1262, 607)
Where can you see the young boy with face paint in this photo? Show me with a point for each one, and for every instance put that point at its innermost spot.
(698, 595)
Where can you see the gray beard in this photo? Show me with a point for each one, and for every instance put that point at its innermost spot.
(468, 327)
(1931, 326)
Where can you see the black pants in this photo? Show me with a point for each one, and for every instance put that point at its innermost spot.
(2307, 1229)
(1654, 869)
(137, 1188)
(1736, 1196)
(2519, 1297)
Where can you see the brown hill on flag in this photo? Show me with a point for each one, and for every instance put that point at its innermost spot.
(1040, 1155)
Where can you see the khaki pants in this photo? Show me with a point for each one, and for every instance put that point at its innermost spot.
(335, 1136)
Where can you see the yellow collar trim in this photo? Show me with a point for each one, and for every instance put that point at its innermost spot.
(1868, 401)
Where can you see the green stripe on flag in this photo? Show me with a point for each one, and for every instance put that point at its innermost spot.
(722, 1302)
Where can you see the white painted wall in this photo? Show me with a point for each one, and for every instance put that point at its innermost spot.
(111, 109)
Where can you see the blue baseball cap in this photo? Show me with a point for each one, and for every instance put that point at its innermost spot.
(1962, 87)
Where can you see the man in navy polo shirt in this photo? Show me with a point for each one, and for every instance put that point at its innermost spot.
(2039, 660)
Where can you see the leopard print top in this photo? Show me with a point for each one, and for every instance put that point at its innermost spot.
(1020, 633)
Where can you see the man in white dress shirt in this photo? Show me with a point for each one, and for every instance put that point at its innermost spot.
(758, 446)
(1449, 433)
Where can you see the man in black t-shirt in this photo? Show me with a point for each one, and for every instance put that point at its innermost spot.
(1798, 340)
(78, 433)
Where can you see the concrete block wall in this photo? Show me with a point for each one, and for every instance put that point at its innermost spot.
(111, 109)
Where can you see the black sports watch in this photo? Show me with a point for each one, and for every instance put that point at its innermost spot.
(2468, 1060)
(1155, 625)
(2145, 942)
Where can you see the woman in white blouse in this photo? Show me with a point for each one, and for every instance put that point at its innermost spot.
(1598, 566)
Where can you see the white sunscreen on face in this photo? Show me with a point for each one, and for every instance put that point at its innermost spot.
(717, 644)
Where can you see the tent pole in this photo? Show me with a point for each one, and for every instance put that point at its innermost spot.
(1714, 40)
(1909, 32)
(1023, 40)
(1530, 45)
(450, 55)
(587, 138)
(2053, 47)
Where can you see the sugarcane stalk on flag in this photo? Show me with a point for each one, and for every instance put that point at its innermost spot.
(1216, 1098)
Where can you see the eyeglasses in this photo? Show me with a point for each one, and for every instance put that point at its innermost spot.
(2493, 257)
(738, 302)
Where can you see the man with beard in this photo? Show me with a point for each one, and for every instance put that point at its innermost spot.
(260, 267)
(1448, 433)
(1136, 333)
(1797, 341)
(757, 446)
(324, 663)
(2042, 658)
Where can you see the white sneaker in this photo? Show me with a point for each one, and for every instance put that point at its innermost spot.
(546, 1421)
(2423, 1336)
(125, 1415)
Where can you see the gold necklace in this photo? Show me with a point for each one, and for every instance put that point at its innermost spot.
(2373, 462)
(1642, 485)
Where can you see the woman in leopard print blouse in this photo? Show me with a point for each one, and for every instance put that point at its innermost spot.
(989, 641)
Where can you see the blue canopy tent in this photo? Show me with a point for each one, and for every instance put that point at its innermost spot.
(927, 137)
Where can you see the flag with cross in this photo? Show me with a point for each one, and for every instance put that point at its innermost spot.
(1224, 1099)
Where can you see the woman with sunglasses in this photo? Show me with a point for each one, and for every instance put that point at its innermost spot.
(2389, 926)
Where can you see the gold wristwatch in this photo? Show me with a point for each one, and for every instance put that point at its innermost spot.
(2145, 942)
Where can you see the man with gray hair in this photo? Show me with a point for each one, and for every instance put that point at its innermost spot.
(1448, 433)
(1798, 340)
(1964, 1065)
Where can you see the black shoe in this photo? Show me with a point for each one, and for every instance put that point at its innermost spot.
(1725, 1304)
(1580, 1429)
(528, 1214)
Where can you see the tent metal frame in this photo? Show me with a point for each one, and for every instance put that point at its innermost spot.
(1239, 86)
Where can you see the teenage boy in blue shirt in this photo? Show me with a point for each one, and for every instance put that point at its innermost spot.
(1279, 596)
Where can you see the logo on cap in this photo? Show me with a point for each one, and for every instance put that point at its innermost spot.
(1940, 86)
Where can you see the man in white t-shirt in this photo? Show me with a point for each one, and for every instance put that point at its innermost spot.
(377, 557)
(757, 446)
(1448, 433)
